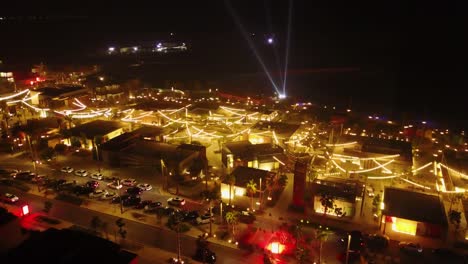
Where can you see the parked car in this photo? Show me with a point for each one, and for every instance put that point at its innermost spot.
(176, 201)
(110, 179)
(411, 248)
(169, 210)
(67, 169)
(92, 184)
(191, 216)
(142, 204)
(204, 219)
(134, 191)
(131, 201)
(376, 241)
(145, 186)
(108, 196)
(9, 198)
(25, 175)
(129, 182)
(6, 172)
(96, 176)
(82, 173)
(97, 193)
(152, 207)
(80, 190)
(114, 185)
(117, 199)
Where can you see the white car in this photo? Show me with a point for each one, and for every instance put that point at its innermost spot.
(108, 196)
(409, 247)
(10, 198)
(82, 173)
(145, 186)
(96, 176)
(113, 185)
(204, 219)
(67, 169)
(98, 193)
(129, 182)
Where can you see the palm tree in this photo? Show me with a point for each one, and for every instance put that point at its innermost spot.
(232, 219)
(327, 201)
(211, 195)
(251, 189)
(231, 180)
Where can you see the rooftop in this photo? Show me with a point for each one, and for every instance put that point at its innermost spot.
(58, 92)
(95, 128)
(344, 189)
(245, 149)
(280, 128)
(414, 206)
(244, 174)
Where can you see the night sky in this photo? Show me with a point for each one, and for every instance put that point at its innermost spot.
(409, 57)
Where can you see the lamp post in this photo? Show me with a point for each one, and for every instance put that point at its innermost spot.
(347, 249)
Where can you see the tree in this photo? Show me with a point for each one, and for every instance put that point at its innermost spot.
(48, 154)
(120, 224)
(455, 218)
(231, 180)
(210, 196)
(47, 206)
(251, 190)
(327, 200)
(232, 219)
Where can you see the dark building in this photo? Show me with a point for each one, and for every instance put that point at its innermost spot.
(414, 213)
(67, 246)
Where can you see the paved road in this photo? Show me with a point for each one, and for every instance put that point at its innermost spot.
(143, 233)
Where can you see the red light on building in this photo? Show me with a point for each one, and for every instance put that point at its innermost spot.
(275, 247)
(25, 210)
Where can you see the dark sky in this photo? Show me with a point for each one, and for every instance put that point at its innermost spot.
(416, 51)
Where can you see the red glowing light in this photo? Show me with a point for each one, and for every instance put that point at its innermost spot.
(31, 82)
(275, 247)
(25, 210)
(38, 79)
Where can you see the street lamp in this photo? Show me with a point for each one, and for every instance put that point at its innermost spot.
(347, 248)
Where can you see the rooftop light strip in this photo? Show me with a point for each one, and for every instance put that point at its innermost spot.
(14, 95)
(342, 144)
(415, 184)
(422, 167)
(454, 171)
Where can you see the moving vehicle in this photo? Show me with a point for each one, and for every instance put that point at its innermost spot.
(176, 201)
(410, 248)
(9, 198)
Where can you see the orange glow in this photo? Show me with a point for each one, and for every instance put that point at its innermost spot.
(275, 247)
